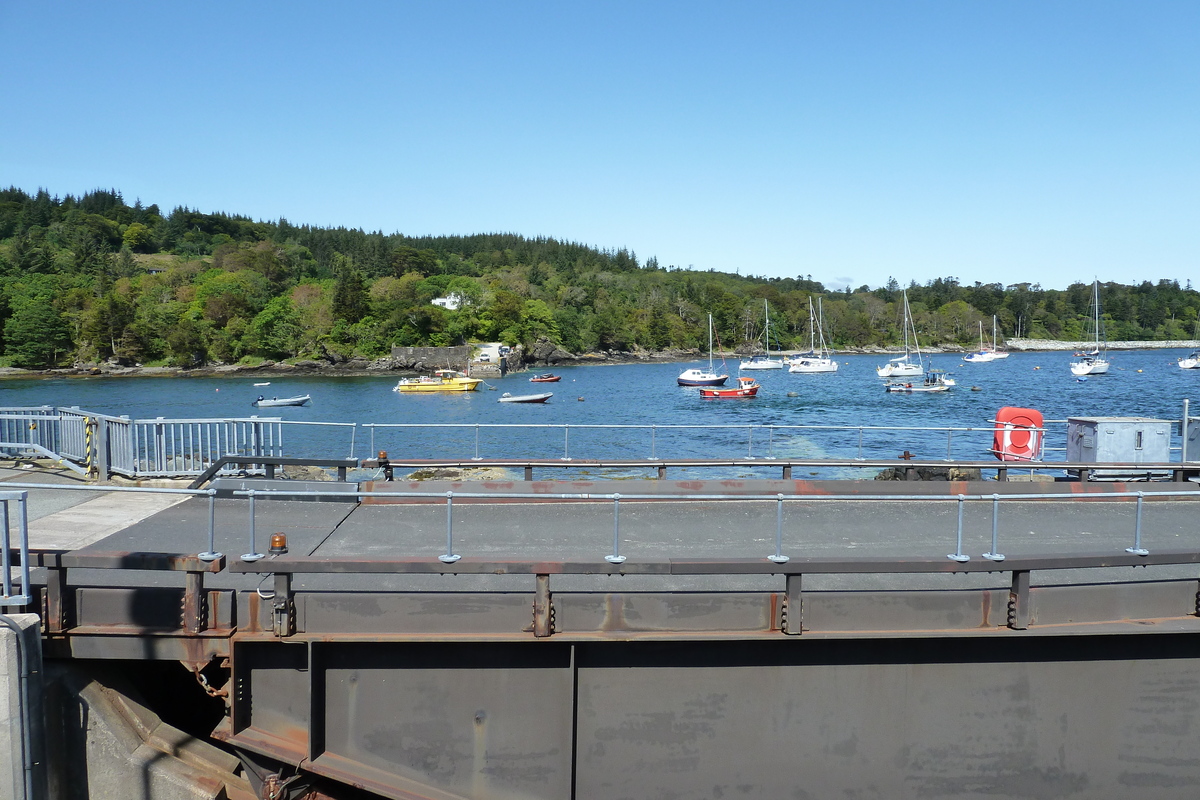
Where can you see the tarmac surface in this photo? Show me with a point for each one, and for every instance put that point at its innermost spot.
(107, 521)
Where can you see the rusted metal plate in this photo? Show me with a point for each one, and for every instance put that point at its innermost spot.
(476, 721)
(903, 716)
(897, 718)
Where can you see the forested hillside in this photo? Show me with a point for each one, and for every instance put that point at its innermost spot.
(84, 279)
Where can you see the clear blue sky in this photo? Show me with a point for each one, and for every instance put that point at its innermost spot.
(1049, 142)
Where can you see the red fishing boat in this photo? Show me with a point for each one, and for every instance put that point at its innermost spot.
(746, 387)
(547, 377)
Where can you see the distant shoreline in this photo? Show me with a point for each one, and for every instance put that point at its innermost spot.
(360, 368)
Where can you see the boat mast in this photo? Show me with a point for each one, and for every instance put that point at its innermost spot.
(812, 325)
(766, 330)
(821, 326)
(710, 364)
(913, 323)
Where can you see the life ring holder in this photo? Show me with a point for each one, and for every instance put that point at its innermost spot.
(1018, 434)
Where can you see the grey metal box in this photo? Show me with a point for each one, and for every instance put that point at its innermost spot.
(1121, 440)
(1191, 446)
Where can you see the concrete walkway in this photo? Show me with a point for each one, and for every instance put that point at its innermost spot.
(73, 518)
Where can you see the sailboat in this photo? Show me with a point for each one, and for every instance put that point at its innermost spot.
(814, 360)
(903, 366)
(1192, 359)
(995, 350)
(1094, 361)
(984, 355)
(763, 361)
(698, 377)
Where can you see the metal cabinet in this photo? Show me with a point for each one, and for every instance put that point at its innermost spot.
(1119, 440)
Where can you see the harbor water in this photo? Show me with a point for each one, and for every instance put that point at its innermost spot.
(671, 421)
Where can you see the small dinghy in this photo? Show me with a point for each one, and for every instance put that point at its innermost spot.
(526, 398)
(268, 402)
(548, 377)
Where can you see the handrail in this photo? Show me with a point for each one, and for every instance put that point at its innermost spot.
(1086, 469)
(7, 598)
(342, 464)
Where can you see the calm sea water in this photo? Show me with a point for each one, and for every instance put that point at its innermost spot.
(1141, 383)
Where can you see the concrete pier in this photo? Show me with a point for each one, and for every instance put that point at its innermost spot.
(22, 726)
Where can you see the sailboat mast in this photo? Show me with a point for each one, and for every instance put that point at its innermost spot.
(812, 326)
(710, 363)
(766, 329)
(821, 325)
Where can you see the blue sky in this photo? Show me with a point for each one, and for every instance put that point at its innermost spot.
(1048, 142)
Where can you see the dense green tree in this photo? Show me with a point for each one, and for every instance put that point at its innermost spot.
(36, 336)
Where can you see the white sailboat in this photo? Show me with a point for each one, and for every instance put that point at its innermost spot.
(1094, 361)
(984, 355)
(814, 360)
(903, 366)
(763, 361)
(1192, 359)
(698, 377)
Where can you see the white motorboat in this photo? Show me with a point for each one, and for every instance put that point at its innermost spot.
(815, 360)
(1094, 361)
(526, 398)
(935, 380)
(1190, 361)
(698, 377)
(903, 366)
(764, 361)
(270, 402)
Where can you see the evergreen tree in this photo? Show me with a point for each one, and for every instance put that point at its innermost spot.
(36, 335)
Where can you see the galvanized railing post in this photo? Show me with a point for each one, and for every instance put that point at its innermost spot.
(1137, 548)
(958, 554)
(6, 554)
(1183, 446)
(770, 441)
(566, 443)
(995, 555)
(449, 557)
(616, 557)
(750, 441)
(476, 443)
(653, 431)
(253, 555)
(949, 436)
(211, 554)
(860, 443)
(26, 596)
(778, 557)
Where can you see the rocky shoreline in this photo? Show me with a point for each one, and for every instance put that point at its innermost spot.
(542, 354)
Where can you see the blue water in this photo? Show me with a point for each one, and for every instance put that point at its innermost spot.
(1141, 383)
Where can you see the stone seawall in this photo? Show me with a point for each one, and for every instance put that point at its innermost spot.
(1052, 344)
(432, 357)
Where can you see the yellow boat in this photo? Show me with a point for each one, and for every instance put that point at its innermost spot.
(443, 380)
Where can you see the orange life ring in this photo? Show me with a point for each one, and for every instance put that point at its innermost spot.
(1018, 434)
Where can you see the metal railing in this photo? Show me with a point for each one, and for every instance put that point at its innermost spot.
(158, 447)
(778, 556)
(749, 441)
(779, 501)
(165, 447)
(8, 598)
